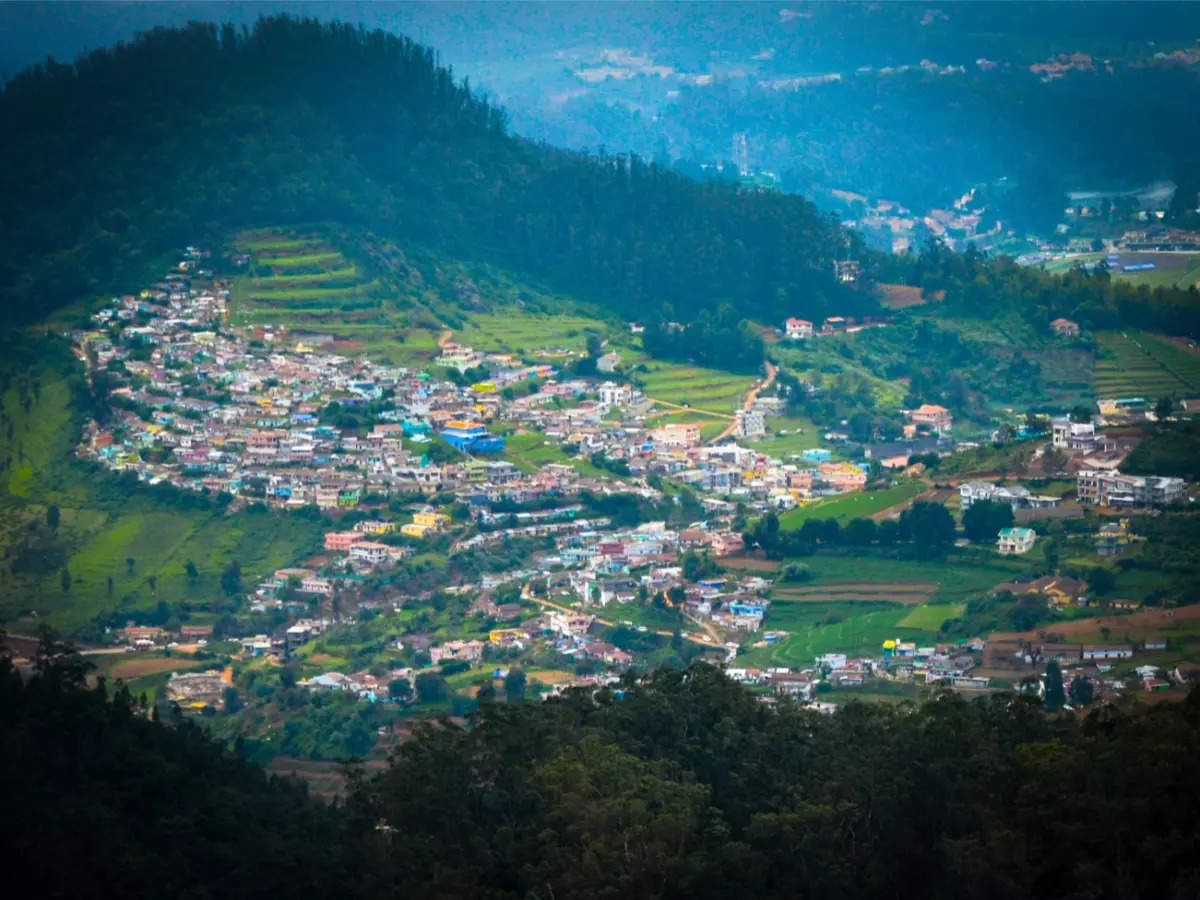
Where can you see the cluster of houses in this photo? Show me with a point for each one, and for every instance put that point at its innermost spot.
(898, 661)
(268, 416)
(801, 329)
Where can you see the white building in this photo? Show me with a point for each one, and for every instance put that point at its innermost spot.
(615, 394)
(795, 329)
(1015, 540)
(1068, 435)
(751, 423)
(369, 552)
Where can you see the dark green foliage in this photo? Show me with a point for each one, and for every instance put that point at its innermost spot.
(431, 687)
(231, 578)
(928, 525)
(689, 787)
(1082, 691)
(112, 803)
(699, 565)
(1171, 449)
(184, 134)
(514, 685)
(721, 340)
(979, 287)
(1056, 698)
(984, 518)
(685, 786)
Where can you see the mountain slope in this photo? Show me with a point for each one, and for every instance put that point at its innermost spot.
(187, 133)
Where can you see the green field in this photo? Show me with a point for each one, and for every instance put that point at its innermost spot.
(1136, 364)
(857, 505)
(931, 616)
(528, 334)
(295, 260)
(853, 604)
(530, 450)
(859, 632)
(959, 575)
(692, 386)
(104, 522)
(1174, 270)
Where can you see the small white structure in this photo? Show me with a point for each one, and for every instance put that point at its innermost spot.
(796, 329)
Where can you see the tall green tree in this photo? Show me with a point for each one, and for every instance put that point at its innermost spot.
(983, 520)
(1055, 697)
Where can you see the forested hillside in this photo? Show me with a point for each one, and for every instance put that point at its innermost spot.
(186, 134)
(684, 785)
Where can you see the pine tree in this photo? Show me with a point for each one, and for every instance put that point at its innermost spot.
(1056, 698)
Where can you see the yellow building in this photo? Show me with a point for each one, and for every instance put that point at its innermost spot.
(497, 635)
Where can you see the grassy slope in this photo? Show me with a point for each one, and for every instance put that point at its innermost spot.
(102, 525)
(859, 504)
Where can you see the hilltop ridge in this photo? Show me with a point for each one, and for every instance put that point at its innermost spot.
(190, 133)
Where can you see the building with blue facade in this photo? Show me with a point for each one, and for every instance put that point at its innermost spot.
(471, 437)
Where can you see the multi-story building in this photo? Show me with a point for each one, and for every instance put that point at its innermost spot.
(341, 541)
(1015, 495)
(370, 552)
(1068, 435)
(751, 423)
(937, 418)
(1111, 488)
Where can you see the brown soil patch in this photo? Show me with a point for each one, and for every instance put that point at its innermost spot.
(753, 563)
(1146, 619)
(902, 296)
(934, 495)
(899, 587)
(551, 676)
(129, 669)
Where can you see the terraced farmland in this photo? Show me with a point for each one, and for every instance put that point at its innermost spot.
(1136, 364)
(696, 387)
(297, 279)
(909, 593)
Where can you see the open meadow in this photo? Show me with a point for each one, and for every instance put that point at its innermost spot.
(856, 505)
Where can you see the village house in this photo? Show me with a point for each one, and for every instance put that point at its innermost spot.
(1065, 327)
(467, 651)
(797, 329)
(936, 419)
(1015, 540)
(1068, 435)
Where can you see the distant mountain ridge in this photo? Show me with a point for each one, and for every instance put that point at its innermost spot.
(186, 134)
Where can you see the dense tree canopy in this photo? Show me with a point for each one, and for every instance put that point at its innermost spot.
(186, 133)
(682, 785)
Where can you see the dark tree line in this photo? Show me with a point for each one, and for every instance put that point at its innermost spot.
(721, 339)
(927, 528)
(184, 134)
(980, 286)
(681, 785)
